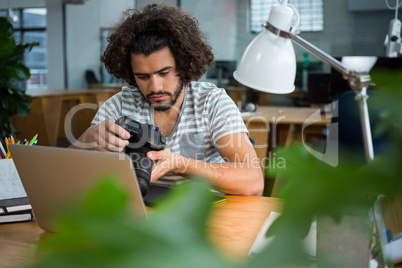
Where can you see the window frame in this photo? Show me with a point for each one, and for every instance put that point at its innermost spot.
(21, 30)
(302, 24)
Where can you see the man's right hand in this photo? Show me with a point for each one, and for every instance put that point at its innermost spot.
(105, 136)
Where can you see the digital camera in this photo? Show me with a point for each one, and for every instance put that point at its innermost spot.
(143, 138)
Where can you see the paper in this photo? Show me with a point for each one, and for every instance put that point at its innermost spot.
(10, 182)
(244, 114)
(261, 241)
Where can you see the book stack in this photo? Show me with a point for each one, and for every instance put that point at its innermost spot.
(15, 210)
(14, 203)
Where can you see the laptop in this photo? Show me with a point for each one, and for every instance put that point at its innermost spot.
(54, 177)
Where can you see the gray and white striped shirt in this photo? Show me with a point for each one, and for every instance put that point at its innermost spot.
(207, 115)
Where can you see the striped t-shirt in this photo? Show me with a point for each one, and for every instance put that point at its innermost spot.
(207, 115)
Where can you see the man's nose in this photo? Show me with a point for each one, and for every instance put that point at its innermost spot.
(155, 83)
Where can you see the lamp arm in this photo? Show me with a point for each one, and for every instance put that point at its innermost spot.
(325, 57)
(358, 81)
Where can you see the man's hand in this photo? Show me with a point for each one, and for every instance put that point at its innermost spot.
(106, 136)
(240, 174)
(167, 162)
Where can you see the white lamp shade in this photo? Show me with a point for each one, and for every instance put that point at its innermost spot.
(268, 64)
(359, 63)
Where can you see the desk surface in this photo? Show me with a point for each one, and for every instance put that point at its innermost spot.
(290, 115)
(233, 226)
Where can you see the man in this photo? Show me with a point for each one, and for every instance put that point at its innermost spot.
(159, 52)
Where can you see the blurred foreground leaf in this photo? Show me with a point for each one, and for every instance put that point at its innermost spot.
(101, 232)
(315, 188)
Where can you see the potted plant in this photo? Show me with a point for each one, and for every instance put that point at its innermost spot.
(13, 98)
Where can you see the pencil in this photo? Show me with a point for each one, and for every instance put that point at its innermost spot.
(33, 140)
(3, 156)
(7, 144)
(2, 149)
(12, 139)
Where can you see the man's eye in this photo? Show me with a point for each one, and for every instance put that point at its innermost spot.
(164, 73)
(142, 77)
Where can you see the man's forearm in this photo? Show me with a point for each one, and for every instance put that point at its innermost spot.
(242, 177)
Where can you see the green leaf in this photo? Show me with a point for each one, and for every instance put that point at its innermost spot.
(102, 233)
(7, 42)
(175, 233)
(7, 46)
(16, 71)
(12, 99)
(185, 216)
(6, 28)
(20, 50)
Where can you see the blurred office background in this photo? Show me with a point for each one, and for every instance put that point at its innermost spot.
(72, 36)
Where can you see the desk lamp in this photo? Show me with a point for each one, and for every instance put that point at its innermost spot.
(269, 64)
(11, 17)
(393, 41)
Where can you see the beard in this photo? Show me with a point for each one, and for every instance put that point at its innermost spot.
(162, 107)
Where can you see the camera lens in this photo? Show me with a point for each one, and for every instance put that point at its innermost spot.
(142, 177)
(143, 168)
(143, 138)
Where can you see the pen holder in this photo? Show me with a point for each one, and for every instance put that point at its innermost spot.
(10, 182)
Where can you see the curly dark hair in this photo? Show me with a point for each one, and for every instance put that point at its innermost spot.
(152, 29)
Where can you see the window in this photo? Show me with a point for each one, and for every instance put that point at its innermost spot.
(311, 14)
(31, 27)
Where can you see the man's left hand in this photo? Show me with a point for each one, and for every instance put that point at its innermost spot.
(166, 163)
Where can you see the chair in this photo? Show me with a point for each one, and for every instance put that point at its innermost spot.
(90, 77)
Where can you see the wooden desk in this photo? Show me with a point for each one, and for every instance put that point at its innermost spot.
(115, 86)
(233, 226)
(285, 125)
(49, 109)
(240, 93)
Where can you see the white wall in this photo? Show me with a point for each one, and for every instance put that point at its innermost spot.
(335, 39)
(56, 74)
(142, 3)
(83, 46)
(225, 24)
(218, 21)
(337, 34)
(83, 23)
(21, 3)
(223, 21)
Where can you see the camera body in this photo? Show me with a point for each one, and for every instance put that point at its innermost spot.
(143, 138)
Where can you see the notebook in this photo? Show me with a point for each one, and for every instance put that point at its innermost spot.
(53, 177)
